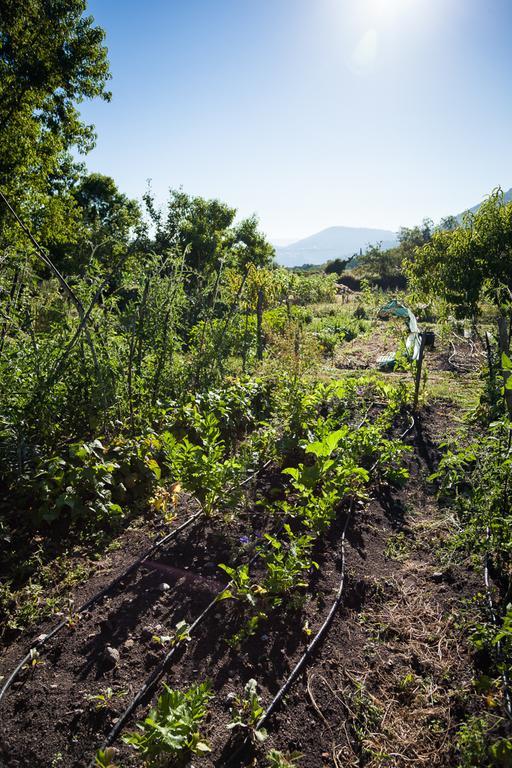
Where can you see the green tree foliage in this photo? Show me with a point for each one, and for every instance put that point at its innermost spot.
(380, 263)
(205, 231)
(471, 263)
(410, 238)
(51, 58)
(105, 221)
(385, 264)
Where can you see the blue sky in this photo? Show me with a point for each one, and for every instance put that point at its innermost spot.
(309, 113)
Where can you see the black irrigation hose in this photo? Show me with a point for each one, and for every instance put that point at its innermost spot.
(101, 594)
(152, 681)
(305, 656)
(161, 669)
(96, 598)
(319, 635)
(158, 673)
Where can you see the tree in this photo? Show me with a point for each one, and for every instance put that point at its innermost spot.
(51, 58)
(108, 218)
(192, 224)
(449, 222)
(205, 230)
(471, 263)
(252, 245)
(378, 262)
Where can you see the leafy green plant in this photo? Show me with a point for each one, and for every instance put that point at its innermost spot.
(181, 633)
(202, 468)
(105, 699)
(242, 587)
(78, 486)
(286, 563)
(172, 727)
(247, 710)
(106, 758)
(277, 759)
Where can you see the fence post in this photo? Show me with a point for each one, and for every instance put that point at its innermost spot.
(419, 366)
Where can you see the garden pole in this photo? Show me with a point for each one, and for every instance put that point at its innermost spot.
(419, 366)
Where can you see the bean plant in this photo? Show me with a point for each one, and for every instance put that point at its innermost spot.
(171, 729)
(246, 711)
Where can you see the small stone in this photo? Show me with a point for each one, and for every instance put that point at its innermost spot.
(41, 638)
(129, 643)
(112, 656)
(163, 587)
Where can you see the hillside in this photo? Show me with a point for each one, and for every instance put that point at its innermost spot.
(332, 243)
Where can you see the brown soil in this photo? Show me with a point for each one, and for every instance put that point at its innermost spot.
(457, 355)
(389, 679)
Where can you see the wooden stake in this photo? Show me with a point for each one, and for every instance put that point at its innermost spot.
(419, 366)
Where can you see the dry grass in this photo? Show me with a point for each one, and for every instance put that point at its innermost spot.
(398, 706)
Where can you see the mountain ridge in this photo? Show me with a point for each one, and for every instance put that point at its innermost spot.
(336, 242)
(339, 242)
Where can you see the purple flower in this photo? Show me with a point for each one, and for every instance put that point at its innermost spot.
(244, 539)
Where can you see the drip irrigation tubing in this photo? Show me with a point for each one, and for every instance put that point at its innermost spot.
(105, 590)
(409, 428)
(321, 632)
(157, 674)
(96, 598)
(319, 635)
(305, 656)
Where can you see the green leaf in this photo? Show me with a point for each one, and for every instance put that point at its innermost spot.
(292, 471)
(154, 467)
(506, 362)
(225, 595)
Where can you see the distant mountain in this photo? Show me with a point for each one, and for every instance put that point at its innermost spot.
(342, 242)
(333, 243)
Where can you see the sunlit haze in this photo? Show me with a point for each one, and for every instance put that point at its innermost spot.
(311, 113)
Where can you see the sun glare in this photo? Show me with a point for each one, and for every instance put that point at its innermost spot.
(375, 11)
